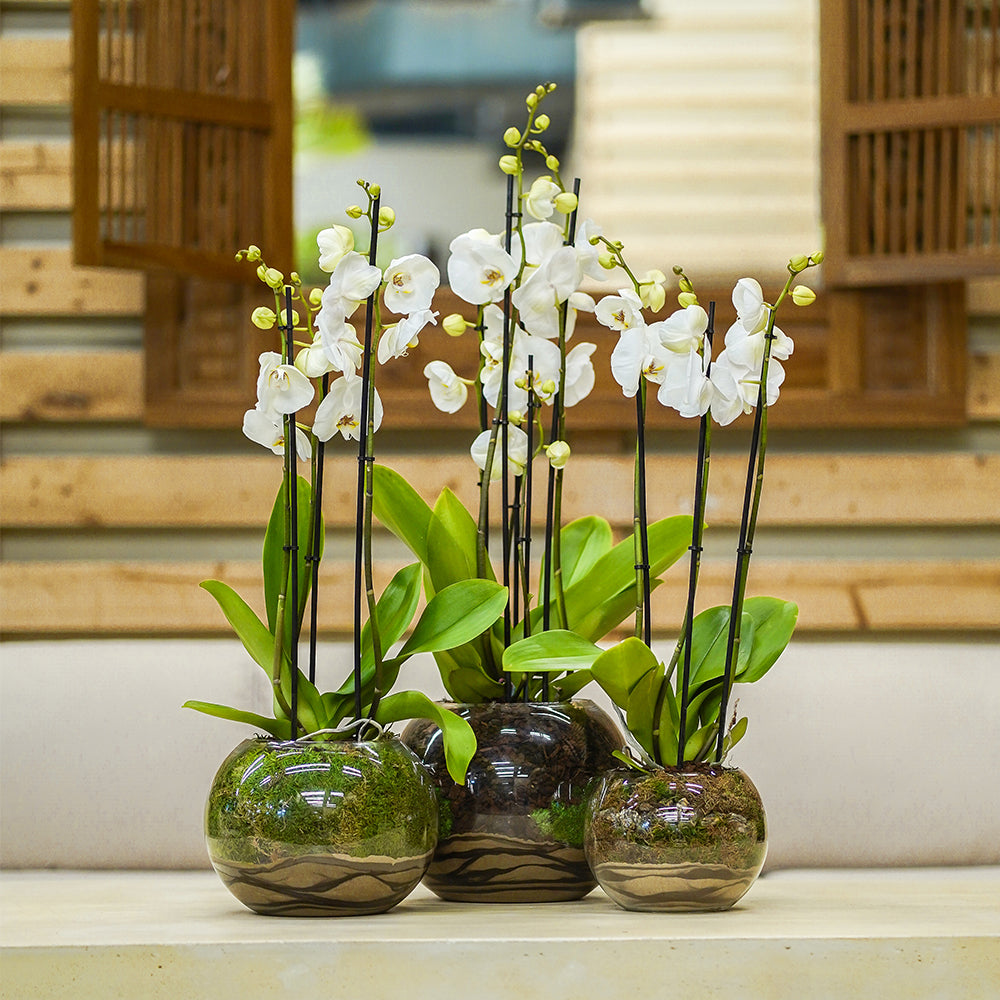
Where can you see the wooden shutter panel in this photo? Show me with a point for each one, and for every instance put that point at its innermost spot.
(182, 125)
(911, 139)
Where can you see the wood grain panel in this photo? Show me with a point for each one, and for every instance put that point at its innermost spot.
(35, 176)
(803, 490)
(38, 386)
(45, 282)
(35, 70)
(164, 598)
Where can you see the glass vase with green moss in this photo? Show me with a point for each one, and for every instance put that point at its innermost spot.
(321, 827)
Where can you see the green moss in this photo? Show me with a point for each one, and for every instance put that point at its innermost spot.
(272, 800)
(562, 822)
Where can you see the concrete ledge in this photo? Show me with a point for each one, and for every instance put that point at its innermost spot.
(816, 934)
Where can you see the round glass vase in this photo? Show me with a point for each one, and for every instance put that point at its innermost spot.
(514, 832)
(683, 839)
(321, 827)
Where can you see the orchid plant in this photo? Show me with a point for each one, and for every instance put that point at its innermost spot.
(525, 286)
(322, 359)
(675, 712)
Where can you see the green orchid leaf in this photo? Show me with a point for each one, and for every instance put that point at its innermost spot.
(273, 556)
(582, 543)
(465, 685)
(612, 576)
(640, 707)
(666, 729)
(629, 762)
(734, 735)
(455, 615)
(459, 739)
(279, 728)
(336, 708)
(618, 669)
(566, 687)
(250, 630)
(452, 537)
(555, 651)
(774, 622)
(394, 611)
(699, 743)
(709, 644)
(309, 704)
(402, 510)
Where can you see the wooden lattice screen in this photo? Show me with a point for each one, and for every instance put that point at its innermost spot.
(182, 128)
(911, 139)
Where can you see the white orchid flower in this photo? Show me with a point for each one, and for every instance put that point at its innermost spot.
(736, 388)
(517, 452)
(588, 255)
(268, 430)
(651, 290)
(479, 269)
(751, 309)
(545, 362)
(333, 244)
(352, 281)
(340, 410)
(448, 391)
(747, 349)
(313, 360)
(281, 388)
(685, 386)
(538, 297)
(580, 375)
(620, 312)
(683, 330)
(339, 341)
(638, 354)
(410, 284)
(397, 339)
(540, 241)
(538, 201)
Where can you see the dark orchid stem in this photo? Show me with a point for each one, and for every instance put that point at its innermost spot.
(697, 534)
(314, 555)
(748, 523)
(504, 444)
(292, 528)
(643, 625)
(526, 516)
(515, 576)
(363, 459)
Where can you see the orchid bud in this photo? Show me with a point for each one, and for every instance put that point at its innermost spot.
(512, 136)
(654, 296)
(552, 162)
(263, 318)
(515, 417)
(508, 164)
(253, 252)
(685, 284)
(803, 296)
(315, 296)
(454, 324)
(386, 217)
(817, 257)
(531, 100)
(565, 202)
(799, 263)
(375, 190)
(262, 272)
(549, 387)
(542, 122)
(558, 453)
(273, 278)
(354, 211)
(521, 383)
(294, 278)
(686, 299)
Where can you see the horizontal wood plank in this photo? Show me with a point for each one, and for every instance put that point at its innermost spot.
(164, 598)
(113, 491)
(983, 394)
(71, 386)
(35, 176)
(45, 282)
(35, 70)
